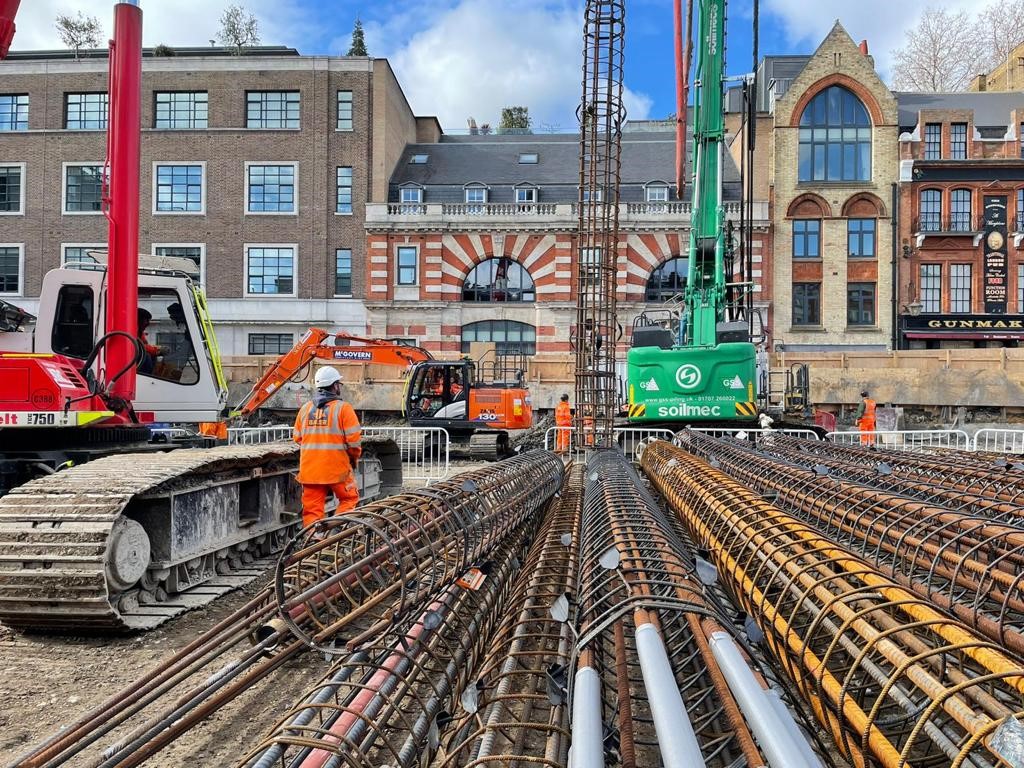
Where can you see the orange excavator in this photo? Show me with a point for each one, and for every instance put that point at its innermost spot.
(476, 402)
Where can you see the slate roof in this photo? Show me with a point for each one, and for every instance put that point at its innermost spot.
(455, 161)
(991, 109)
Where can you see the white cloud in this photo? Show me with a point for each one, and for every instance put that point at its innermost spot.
(477, 56)
(170, 22)
(881, 22)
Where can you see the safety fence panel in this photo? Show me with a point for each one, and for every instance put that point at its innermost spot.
(906, 439)
(425, 450)
(999, 440)
(805, 434)
(257, 435)
(627, 438)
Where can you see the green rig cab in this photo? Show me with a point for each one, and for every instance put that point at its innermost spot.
(670, 383)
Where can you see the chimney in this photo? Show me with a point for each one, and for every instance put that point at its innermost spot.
(864, 47)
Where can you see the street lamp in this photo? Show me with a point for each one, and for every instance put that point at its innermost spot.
(914, 308)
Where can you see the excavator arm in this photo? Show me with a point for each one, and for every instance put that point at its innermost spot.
(8, 10)
(311, 347)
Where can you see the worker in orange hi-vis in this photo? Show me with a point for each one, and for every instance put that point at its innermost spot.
(866, 419)
(588, 425)
(330, 442)
(563, 424)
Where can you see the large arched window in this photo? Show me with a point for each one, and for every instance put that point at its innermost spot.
(509, 337)
(498, 279)
(835, 138)
(667, 280)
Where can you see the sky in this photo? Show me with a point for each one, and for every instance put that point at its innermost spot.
(468, 58)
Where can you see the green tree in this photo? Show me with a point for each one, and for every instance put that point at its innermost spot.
(514, 120)
(238, 29)
(79, 31)
(358, 47)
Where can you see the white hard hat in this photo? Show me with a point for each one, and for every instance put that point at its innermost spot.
(326, 376)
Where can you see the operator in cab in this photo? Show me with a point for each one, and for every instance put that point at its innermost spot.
(152, 351)
(866, 419)
(330, 444)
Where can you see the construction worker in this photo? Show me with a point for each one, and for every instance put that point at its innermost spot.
(866, 419)
(330, 439)
(152, 351)
(563, 424)
(588, 425)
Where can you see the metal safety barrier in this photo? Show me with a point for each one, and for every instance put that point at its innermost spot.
(256, 435)
(425, 450)
(905, 439)
(998, 440)
(629, 439)
(807, 434)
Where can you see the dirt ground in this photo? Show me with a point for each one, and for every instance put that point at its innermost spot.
(48, 682)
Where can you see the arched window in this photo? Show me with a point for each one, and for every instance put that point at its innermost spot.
(667, 280)
(509, 337)
(498, 280)
(960, 208)
(835, 138)
(931, 211)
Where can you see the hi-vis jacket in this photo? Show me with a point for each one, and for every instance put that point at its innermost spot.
(563, 414)
(331, 441)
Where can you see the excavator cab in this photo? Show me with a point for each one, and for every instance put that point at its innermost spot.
(475, 402)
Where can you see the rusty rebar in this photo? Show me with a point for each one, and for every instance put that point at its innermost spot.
(895, 681)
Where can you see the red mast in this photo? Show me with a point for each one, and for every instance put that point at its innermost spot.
(122, 198)
(8, 10)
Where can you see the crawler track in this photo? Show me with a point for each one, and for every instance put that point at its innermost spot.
(70, 558)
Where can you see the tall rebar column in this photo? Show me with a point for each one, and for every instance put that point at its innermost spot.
(601, 114)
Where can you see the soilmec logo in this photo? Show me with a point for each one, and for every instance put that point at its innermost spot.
(346, 354)
(686, 410)
(688, 376)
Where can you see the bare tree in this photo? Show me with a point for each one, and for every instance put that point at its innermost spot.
(942, 53)
(79, 31)
(1000, 29)
(238, 28)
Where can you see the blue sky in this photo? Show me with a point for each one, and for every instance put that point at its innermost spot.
(468, 58)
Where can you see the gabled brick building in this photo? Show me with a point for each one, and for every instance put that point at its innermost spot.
(477, 240)
(961, 220)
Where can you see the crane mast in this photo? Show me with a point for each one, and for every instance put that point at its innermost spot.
(705, 288)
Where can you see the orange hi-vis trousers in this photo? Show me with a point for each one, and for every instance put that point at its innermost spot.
(314, 499)
(866, 425)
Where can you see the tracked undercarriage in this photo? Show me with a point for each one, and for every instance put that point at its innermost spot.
(128, 541)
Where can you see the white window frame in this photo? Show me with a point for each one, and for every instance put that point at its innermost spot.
(398, 268)
(474, 188)
(88, 246)
(202, 165)
(651, 188)
(598, 195)
(295, 271)
(202, 258)
(64, 188)
(21, 202)
(245, 200)
(533, 195)
(21, 269)
(417, 190)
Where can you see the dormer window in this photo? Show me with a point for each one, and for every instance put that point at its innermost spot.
(592, 195)
(526, 195)
(528, 158)
(418, 159)
(410, 195)
(476, 198)
(656, 193)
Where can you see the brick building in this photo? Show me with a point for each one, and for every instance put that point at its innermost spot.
(477, 241)
(833, 165)
(961, 220)
(258, 167)
(1007, 76)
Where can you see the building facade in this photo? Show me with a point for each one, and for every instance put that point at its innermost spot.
(833, 164)
(1007, 76)
(258, 167)
(477, 242)
(961, 220)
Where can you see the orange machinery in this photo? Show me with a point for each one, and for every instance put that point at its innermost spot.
(476, 402)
